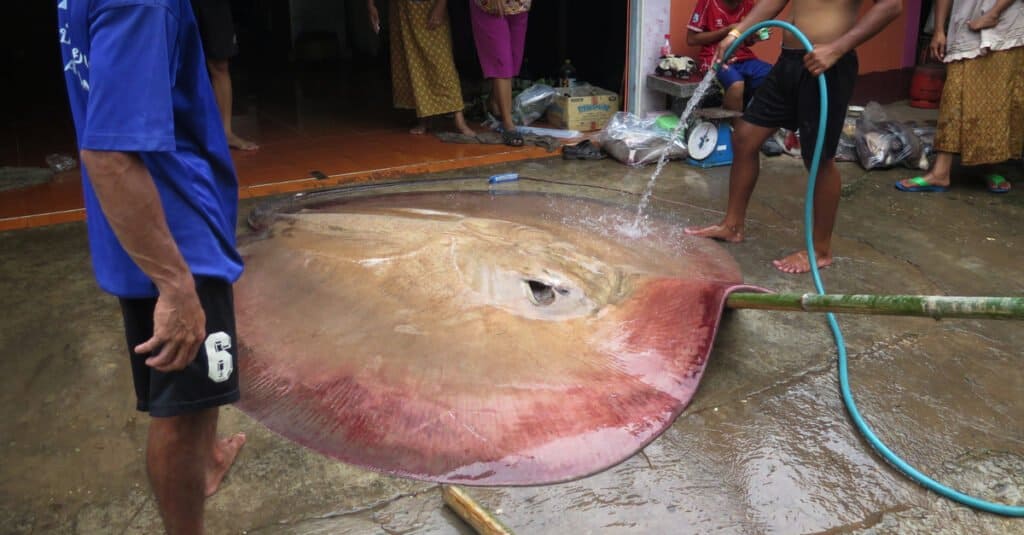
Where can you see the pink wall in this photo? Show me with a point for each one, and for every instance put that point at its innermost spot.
(887, 50)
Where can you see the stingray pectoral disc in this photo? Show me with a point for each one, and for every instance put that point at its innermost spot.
(474, 339)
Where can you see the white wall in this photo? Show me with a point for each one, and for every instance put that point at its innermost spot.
(650, 20)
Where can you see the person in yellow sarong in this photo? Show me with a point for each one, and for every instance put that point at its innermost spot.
(981, 112)
(423, 74)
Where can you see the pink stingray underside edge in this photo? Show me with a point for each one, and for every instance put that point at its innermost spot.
(568, 460)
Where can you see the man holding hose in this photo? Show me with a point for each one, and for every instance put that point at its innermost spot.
(789, 99)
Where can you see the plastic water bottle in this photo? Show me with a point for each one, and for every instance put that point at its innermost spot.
(567, 75)
(507, 177)
(666, 47)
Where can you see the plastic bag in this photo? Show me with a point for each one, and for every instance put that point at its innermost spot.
(847, 149)
(882, 143)
(637, 141)
(61, 162)
(531, 104)
(871, 139)
(922, 158)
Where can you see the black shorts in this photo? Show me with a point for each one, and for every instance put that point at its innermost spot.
(216, 28)
(211, 380)
(788, 98)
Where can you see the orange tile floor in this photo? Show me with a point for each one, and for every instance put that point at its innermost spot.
(347, 132)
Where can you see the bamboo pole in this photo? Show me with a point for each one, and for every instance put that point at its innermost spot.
(930, 306)
(471, 512)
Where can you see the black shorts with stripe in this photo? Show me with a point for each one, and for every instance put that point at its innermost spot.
(788, 98)
(211, 380)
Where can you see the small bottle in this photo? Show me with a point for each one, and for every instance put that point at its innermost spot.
(567, 75)
(666, 47)
(507, 177)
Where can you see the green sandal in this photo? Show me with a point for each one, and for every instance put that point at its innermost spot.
(918, 185)
(997, 184)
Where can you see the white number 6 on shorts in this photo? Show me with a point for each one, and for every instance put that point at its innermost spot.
(218, 357)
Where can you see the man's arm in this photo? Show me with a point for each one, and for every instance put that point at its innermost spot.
(371, 7)
(131, 111)
(990, 18)
(874, 21)
(938, 44)
(437, 13)
(132, 207)
(695, 38)
(762, 11)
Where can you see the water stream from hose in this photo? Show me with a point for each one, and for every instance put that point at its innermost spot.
(691, 105)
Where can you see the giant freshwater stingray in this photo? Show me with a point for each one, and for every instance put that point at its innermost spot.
(474, 338)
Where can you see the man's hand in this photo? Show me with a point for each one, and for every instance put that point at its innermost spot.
(437, 14)
(938, 45)
(374, 16)
(179, 327)
(723, 45)
(822, 58)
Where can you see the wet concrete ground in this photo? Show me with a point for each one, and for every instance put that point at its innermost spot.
(765, 447)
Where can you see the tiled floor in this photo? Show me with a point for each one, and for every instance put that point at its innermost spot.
(304, 123)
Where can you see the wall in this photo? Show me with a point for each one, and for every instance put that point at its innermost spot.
(885, 51)
(649, 21)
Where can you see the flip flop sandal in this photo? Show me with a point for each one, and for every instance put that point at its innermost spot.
(512, 138)
(920, 185)
(584, 150)
(491, 122)
(997, 184)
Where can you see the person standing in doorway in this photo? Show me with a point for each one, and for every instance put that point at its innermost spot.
(789, 99)
(423, 75)
(499, 31)
(161, 200)
(217, 29)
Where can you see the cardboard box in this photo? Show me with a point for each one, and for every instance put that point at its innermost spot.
(583, 109)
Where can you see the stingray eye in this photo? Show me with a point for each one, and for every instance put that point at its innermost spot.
(542, 294)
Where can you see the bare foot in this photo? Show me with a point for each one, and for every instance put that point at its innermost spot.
(419, 129)
(987, 20)
(730, 233)
(236, 142)
(224, 453)
(461, 126)
(798, 262)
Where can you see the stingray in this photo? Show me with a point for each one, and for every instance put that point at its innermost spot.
(474, 338)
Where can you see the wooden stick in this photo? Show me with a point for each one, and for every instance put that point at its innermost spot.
(471, 512)
(930, 306)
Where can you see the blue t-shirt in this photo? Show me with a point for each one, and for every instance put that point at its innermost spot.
(137, 82)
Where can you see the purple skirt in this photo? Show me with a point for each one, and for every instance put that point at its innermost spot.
(499, 41)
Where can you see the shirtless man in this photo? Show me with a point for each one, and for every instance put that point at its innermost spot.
(789, 99)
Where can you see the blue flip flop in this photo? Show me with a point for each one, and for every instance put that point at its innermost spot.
(920, 185)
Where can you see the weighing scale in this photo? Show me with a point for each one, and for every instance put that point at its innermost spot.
(709, 142)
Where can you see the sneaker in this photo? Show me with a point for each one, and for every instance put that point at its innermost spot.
(771, 147)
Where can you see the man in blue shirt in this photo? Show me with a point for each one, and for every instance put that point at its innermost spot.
(161, 205)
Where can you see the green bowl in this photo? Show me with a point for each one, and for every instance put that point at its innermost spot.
(667, 122)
